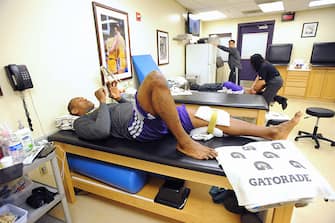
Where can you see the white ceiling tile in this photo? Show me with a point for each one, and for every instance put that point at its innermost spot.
(235, 8)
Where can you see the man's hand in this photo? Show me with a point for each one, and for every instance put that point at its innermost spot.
(250, 91)
(114, 92)
(100, 94)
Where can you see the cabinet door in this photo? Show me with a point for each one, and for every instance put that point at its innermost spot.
(315, 83)
(328, 89)
(283, 73)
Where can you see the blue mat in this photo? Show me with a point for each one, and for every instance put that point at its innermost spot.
(124, 178)
(143, 65)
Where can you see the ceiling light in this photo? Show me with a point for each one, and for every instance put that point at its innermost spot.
(321, 2)
(211, 15)
(272, 6)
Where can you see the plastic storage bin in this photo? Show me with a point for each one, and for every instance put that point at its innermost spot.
(19, 212)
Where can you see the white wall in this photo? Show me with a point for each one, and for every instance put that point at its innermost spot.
(285, 32)
(56, 39)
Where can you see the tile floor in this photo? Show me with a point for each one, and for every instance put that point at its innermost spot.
(90, 208)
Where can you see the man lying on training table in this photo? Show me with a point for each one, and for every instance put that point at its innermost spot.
(153, 115)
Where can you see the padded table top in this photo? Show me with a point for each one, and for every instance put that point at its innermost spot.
(251, 101)
(162, 151)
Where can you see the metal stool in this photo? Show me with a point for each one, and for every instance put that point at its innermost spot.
(319, 113)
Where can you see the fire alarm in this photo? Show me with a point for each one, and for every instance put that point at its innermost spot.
(138, 16)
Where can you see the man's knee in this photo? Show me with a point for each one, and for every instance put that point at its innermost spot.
(156, 79)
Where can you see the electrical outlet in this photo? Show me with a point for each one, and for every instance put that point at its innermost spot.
(43, 169)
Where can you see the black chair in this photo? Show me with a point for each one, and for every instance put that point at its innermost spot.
(319, 113)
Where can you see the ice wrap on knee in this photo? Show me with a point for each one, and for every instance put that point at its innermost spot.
(205, 113)
(214, 117)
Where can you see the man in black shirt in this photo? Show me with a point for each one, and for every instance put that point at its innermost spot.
(268, 80)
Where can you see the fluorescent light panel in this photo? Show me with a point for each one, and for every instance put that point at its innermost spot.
(321, 2)
(272, 6)
(211, 15)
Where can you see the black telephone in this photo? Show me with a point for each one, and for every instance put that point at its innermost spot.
(19, 77)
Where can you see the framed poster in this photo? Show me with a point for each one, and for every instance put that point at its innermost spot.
(162, 47)
(309, 29)
(112, 29)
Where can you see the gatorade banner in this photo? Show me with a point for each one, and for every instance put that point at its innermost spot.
(271, 172)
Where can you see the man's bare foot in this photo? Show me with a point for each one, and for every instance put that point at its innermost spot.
(283, 130)
(196, 150)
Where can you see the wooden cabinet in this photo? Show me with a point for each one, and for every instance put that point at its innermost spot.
(318, 83)
(328, 90)
(321, 84)
(296, 83)
(315, 84)
(283, 72)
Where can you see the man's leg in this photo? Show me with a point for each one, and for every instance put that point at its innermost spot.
(238, 127)
(154, 97)
(232, 75)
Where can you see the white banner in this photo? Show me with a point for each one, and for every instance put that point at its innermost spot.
(271, 172)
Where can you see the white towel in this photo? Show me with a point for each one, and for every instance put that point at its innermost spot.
(271, 173)
(205, 113)
(65, 122)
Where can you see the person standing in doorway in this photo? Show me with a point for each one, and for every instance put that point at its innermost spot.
(234, 61)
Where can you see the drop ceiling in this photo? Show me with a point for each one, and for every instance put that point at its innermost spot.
(242, 8)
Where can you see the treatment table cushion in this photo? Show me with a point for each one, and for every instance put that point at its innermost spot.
(143, 65)
(162, 151)
(249, 101)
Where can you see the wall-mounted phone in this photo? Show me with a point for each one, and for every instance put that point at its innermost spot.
(19, 77)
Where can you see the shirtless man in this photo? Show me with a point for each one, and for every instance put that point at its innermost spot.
(154, 115)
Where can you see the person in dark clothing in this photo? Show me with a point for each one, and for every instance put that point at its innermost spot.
(153, 115)
(268, 80)
(234, 61)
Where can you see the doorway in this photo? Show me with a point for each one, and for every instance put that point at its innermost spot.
(253, 38)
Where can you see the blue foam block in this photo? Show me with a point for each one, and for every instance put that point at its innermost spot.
(124, 178)
(143, 65)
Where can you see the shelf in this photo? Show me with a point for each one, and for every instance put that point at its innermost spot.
(37, 163)
(199, 203)
(35, 214)
(39, 214)
(49, 219)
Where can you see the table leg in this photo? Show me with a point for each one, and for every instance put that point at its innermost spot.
(260, 120)
(60, 189)
(67, 181)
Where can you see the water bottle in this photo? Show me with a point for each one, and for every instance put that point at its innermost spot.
(15, 148)
(26, 139)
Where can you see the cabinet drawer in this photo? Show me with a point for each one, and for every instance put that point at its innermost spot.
(295, 91)
(296, 78)
(301, 84)
(297, 74)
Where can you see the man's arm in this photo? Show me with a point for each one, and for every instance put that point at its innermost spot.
(98, 128)
(91, 129)
(227, 49)
(258, 85)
